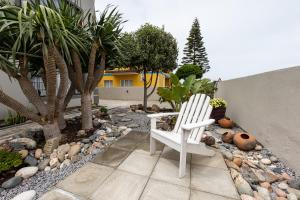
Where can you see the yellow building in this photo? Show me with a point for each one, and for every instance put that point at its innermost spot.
(128, 78)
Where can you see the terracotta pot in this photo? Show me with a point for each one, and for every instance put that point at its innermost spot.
(227, 137)
(218, 113)
(225, 123)
(244, 141)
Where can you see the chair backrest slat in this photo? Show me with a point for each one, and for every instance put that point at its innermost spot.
(185, 114)
(179, 118)
(202, 129)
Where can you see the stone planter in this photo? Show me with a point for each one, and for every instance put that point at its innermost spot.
(218, 113)
(244, 141)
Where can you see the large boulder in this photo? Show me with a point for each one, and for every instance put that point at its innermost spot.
(75, 149)
(62, 150)
(26, 142)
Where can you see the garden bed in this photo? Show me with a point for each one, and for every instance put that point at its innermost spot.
(46, 171)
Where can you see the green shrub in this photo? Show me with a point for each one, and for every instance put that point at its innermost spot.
(14, 118)
(204, 86)
(103, 110)
(189, 69)
(218, 103)
(9, 160)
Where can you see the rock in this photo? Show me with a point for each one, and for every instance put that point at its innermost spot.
(257, 196)
(53, 154)
(291, 196)
(81, 133)
(66, 162)
(50, 145)
(47, 169)
(6, 147)
(43, 164)
(128, 130)
(234, 173)
(295, 183)
(209, 140)
(85, 141)
(266, 185)
(38, 153)
(246, 197)
(62, 150)
(133, 126)
(26, 142)
(281, 198)
(96, 123)
(155, 108)
(96, 151)
(30, 160)
(1, 190)
(75, 158)
(265, 161)
(266, 176)
(54, 162)
(27, 172)
(280, 192)
(243, 186)
(75, 149)
(24, 153)
(28, 195)
(273, 159)
(283, 186)
(227, 154)
(249, 175)
(264, 193)
(258, 147)
(125, 120)
(122, 128)
(12, 182)
(121, 115)
(238, 161)
(285, 176)
(296, 192)
(232, 165)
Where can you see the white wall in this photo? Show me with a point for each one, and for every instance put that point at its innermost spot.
(267, 105)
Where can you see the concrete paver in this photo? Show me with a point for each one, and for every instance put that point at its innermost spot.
(167, 170)
(121, 186)
(157, 190)
(85, 180)
(213, 180)
(139, 163)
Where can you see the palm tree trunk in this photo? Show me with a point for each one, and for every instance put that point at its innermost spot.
(62, 90)
(86, 110)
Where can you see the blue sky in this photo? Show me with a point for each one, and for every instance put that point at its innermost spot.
(242, 37)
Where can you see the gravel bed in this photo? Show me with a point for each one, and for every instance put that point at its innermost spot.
(137, 118)
(44, 181)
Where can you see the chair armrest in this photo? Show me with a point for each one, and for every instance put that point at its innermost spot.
(191, 126)
(157, 115)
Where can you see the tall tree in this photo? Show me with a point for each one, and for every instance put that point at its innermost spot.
(149, 50)
(194, 51)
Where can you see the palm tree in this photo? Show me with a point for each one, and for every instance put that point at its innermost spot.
(103, 37)
(34, 38)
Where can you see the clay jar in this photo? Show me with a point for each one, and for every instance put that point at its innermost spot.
(225, 123)
(244, 141)
(227, 137)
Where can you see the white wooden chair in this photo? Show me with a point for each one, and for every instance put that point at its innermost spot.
(186, 136)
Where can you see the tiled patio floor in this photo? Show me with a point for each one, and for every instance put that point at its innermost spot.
(126, 171)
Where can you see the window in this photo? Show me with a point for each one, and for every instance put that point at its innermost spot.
(108, 83)
(126, 83)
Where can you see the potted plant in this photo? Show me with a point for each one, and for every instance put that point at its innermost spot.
(219, 108)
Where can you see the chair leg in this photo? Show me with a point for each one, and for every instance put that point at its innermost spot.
(152, 145)
(182, 164)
